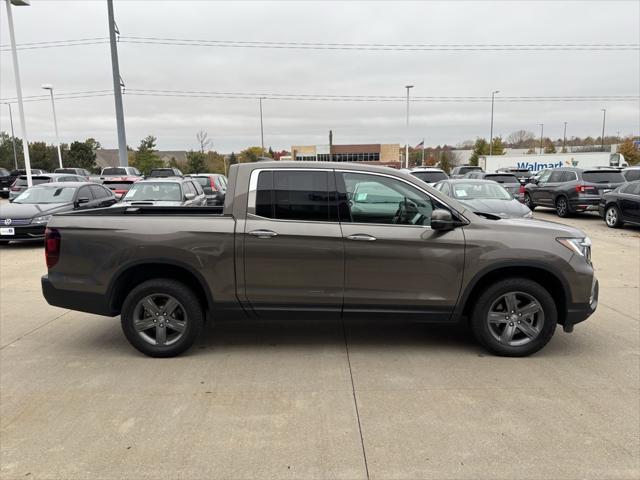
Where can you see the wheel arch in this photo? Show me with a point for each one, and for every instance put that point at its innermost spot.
(134, 274)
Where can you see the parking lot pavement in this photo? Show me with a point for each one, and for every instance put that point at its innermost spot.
(304, 400)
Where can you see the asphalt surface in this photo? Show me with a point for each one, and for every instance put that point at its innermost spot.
(316, 400)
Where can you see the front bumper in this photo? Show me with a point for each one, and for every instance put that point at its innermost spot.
(26, 232)
(579, 312)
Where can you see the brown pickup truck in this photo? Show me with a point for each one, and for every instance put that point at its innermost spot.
(328, 239)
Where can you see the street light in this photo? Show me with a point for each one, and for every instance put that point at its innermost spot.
(48, 86)
(261, 128)
(13, 137)
(604, 117)
(493, 94)
(406, 148)
(16, 73)
(541, 136)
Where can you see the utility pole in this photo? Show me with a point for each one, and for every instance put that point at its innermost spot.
(117, 91)
(604, 117)
(49, 87)
(16, 73)
(13, 138)
(406, 147)
(564, 139)
(541, 136)
(422, 159)
(261, 128)
(330, 145)
(493, 94)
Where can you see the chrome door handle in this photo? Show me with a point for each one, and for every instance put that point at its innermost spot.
(362, 237)
(263, 233)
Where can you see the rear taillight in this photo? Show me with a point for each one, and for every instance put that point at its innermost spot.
(522, 190)
(212, 184)
(586, 189)
(51, 246)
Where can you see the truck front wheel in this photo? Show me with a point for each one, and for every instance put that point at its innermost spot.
(161, 317)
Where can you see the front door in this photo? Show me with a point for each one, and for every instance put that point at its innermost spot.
(394, 261)
(293, 249)
(540, 192)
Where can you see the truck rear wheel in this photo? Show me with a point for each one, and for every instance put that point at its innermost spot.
(161, 317)
(514, 317)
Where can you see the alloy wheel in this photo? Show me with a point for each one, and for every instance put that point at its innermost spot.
(611, 216)
(561, 207)
(160, 319)
(515, 319)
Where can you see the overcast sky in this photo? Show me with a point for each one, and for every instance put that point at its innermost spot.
(234, 123)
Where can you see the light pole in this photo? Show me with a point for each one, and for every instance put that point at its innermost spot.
(261, 128)
(564, 139)
(123, 155)
(48, 86)
(493, 94)
(16, 72)
(406, 147)
(604, 118)
(13, 137)
(541, 136)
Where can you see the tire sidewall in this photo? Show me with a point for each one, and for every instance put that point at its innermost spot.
(485, 300)
(180, 292)
(528, 201)
(618, 219)
(566, 212)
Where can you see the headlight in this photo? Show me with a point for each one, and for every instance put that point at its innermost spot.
(581, 246)
(43, 219)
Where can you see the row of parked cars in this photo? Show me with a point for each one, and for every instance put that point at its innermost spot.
(513, 192)
(31, 208)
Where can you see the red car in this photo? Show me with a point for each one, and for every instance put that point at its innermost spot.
(120, 185)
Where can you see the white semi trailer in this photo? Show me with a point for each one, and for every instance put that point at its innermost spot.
(536, 163)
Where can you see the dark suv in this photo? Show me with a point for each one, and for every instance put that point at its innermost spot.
(570, 190)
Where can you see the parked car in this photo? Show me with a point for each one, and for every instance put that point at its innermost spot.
(120, 185)
(316, 238)
(120, 172)
(13, 176)
(27, 216)
(214, 186)
(631, 173)
(165, 192)
(81, 172)
(621, 205)
(21, 184)
(429, 174)
(462, 170)
(484, 197)
(5, 182)
(507, 180)
(522, 174)
(570, 190)
(164, 172)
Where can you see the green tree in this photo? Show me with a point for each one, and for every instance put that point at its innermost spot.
(446, 160)
(215, 163)
(196, 162)
(480, 147)
(82, 155)
(629, 151)
(549, 147)
(93, 143)
(43, 156)
(6, 152)
(145, 158)
(233, 159)
(250, 154)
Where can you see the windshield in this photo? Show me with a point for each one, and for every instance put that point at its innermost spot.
(603, 176)
(154, 191)
(464, 170)
(203, 181)
(476, 191)
(118, 185)
(46, 195)
(430, 177)
(503, 178)
(22, 181)
(114, 171)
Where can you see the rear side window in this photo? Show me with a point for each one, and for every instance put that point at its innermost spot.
(99, 192)
(294, 195)
(632, 175)
(502, 178)
(603, 176)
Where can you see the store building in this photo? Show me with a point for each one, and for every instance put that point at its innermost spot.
(382, 154)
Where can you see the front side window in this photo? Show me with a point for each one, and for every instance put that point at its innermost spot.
(384, 200)
(295, 195)
(556, 176)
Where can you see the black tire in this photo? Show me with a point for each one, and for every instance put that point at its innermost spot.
(528, 201)
(613, 216)
(484, 331)
(189, 307)
(562, 207)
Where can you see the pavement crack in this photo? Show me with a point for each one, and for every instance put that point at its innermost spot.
(355, 399)
(33, 330)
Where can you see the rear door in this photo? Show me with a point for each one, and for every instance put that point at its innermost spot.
(630, 202)
(293, 250)
(394, 262)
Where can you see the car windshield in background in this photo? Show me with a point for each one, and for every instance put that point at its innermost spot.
(464, 170)
(114, 171)
(603, 176)
(156, 192)
(507, 178)
(22, 182)
(475, 191)
(203, 181)
(46, 195)
(72, 171)
(632, 175)
(430, 177)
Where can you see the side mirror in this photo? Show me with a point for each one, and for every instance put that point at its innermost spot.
(189, 196)
(81, 201)
(442, 220)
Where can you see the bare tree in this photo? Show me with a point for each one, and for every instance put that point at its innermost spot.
(204, 140)
(521, 139)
